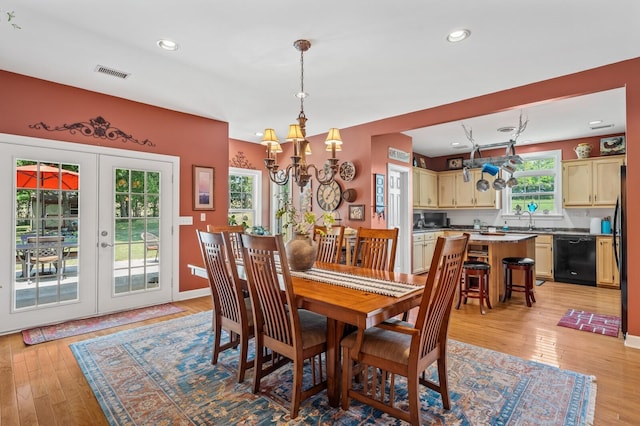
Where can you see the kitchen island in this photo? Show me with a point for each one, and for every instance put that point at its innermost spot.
(492, 248)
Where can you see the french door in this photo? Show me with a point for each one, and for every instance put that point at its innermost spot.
(89, 232)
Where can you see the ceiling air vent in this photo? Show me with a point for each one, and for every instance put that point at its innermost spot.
(112, 72)
(603, 126)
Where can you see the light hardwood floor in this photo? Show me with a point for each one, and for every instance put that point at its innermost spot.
(43, 385)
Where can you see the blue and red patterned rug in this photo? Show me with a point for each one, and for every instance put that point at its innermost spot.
(162, 374)
(46, 333)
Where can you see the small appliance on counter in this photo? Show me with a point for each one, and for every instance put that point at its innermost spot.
(430, 220)
(596, 226)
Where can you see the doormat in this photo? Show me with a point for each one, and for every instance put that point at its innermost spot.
(47, 333)
(594, 323)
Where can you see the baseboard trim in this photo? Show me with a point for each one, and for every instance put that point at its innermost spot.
(193, 294)
(632, 341)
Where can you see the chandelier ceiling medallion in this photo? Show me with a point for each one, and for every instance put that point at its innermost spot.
(299, 169)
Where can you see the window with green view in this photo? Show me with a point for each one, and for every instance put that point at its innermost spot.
(539, 185)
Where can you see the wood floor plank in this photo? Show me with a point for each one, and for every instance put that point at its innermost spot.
(512, 327)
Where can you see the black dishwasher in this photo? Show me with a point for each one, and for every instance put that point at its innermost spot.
(574, 259)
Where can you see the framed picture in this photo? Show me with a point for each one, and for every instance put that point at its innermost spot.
(454, 163)
(423, 163)
(203, 180)
(612, 146)
(356, 212)
(379, 188)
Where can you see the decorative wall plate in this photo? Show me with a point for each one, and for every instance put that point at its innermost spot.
(347, 171)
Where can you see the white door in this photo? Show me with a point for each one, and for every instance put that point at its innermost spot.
(63, 203)
(398, 213)
(135, 249)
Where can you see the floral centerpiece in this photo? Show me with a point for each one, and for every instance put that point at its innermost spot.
(301, 249)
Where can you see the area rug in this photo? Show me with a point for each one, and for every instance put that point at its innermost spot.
(162, 374)
(594, 323)
(73, 328)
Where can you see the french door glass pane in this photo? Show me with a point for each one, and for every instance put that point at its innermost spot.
(137, 229)
(47, 224)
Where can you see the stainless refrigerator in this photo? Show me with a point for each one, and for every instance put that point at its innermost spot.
(620, 245)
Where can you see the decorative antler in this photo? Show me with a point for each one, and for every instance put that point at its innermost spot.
(521, 127)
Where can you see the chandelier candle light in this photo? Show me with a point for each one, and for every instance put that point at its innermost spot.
(299, 168)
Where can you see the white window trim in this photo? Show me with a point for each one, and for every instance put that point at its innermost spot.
(557, 153)
(257, 190)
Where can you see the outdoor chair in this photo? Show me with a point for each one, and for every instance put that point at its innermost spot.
(151, 242)
(292, 333)
(376, 355)
(376, 248)
(48, 249)
(231, 310)
(329, 243)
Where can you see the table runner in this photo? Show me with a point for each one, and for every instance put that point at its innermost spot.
(358, 282)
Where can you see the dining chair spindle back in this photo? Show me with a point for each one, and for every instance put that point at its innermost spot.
(329, 243)
(376, 248)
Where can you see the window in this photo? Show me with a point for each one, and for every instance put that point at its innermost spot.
(539, 185)
(245, 187)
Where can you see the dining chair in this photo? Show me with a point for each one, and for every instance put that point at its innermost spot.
(234, 233)
(231, 310)
(151, 242)
(329, 243)
(48, 249)
(376, 248)
(295, 334)
(376, 355)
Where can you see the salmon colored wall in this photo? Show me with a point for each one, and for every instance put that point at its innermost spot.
(567, 147)
(621, 74)
(195, 140)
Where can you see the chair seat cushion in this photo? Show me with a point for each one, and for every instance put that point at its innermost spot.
(520, 261)
(475, 265)
(383, 343)
(314, 328)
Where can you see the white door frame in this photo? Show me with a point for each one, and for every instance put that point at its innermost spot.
(403, 257)
(7, 248)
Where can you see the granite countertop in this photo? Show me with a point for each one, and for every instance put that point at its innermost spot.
(536, 231)
(509, 237)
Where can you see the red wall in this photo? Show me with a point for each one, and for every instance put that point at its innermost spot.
(195, 140)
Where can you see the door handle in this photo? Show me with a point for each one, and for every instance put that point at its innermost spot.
(105, 245)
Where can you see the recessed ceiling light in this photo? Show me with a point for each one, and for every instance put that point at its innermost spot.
(259, 134)
(506, 129)
(591, 123)
(167, 44)
(455, 143)
(458, 35)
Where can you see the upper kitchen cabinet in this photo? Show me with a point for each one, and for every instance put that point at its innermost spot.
(591, 182)
(454, 192)
(425, 188)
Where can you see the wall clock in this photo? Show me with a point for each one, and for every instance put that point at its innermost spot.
(329, 196)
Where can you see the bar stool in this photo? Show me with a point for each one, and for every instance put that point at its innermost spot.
(480, 271)
(509, 264)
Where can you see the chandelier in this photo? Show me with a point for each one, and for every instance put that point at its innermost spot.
(299, 169)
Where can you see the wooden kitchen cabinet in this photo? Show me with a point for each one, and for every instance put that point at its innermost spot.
(454, 192)
(425, 188)
(424, 246)
(544, 256)
(606, 269)
(591, 182)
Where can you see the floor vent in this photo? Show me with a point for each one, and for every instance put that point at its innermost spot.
(112, 72)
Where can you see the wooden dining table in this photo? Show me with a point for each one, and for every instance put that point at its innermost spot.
(348, 306)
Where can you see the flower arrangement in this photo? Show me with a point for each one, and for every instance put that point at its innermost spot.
(300, 222)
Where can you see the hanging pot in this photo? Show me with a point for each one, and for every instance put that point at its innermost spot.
(499, 184)
(512, 182)
(466, 174)
(482, 184)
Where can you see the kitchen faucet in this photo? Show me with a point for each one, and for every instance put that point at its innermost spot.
(531, 224)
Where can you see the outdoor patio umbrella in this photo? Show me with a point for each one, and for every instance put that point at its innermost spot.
(45, 177)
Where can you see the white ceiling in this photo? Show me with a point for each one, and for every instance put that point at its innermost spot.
(370, 59)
